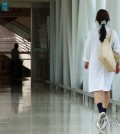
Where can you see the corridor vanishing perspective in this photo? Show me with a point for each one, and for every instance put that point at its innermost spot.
(42, 109)
(52, 95)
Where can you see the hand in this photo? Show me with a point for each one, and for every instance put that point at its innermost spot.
(117, 68)
(86, 65)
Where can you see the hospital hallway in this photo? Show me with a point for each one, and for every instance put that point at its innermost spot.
(44, 109)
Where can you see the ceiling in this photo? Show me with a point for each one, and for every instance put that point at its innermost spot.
(15, 12)
(26, 3)
(30, 0)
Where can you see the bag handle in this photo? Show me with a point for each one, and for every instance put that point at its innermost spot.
(110, 35)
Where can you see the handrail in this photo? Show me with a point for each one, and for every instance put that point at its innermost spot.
(80, 91)
(10, 59)
(9, 52)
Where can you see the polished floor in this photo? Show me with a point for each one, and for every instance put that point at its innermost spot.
(41, 109)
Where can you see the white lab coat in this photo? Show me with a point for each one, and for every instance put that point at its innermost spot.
(99, 77)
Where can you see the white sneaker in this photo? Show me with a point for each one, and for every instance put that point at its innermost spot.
(101, 122)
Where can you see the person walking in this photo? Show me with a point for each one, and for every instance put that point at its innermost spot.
(100, 80)
(15, 52)
(16, 63)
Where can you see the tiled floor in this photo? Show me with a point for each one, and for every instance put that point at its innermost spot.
(44, 110)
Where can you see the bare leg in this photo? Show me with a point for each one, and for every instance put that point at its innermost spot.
(98, 97)
(106, 99)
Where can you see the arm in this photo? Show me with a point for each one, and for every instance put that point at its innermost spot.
(117, 67)
(116, 48)
(87, 51)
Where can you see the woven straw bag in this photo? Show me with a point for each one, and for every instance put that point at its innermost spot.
(106, 55)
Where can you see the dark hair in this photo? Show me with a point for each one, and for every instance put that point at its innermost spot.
(16, 45)
(102, 15)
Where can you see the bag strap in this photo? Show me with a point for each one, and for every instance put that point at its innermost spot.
(109, 37)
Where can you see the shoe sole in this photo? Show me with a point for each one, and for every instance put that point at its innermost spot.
(102, 119)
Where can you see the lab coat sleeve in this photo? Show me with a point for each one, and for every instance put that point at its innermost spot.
(116, 44)
(87, 49)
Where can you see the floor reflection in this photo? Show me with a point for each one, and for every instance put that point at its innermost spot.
(16, 87)
(16, 94)
(64, 112)
(45, 110)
